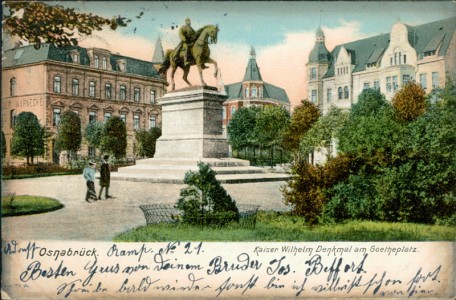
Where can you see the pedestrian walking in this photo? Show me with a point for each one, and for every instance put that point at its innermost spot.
(105, 177)
(89, 176)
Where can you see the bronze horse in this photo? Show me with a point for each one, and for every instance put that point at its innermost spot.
(200, 54)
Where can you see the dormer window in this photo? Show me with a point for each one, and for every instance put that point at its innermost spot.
(75, 56)
(96, 62)
(104, 64)
(122, 64)
(429, 53)
(260, 92)
(246, 92)
(313, 73)
(254, 92)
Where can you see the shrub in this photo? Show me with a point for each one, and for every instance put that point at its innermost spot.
(204, 201)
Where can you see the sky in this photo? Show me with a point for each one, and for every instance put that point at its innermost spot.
(282, 33)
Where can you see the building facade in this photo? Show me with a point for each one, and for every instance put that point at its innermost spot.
(424, 53)
(94, 83)
(252, 91)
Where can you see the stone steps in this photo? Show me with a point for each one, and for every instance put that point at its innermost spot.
(228, 170)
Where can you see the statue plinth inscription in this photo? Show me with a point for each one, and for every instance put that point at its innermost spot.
(192, 124)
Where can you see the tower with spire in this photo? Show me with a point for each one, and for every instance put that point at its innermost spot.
(252, 91)
(318, 64)
(159, 56)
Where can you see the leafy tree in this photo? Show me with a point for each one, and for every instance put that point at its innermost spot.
(409, 102)
(240, 128)
(114, 137)
(69, 135)
(38, 23)
(302, 119)
(204, 201)
(324, 131)
(28, 137)
(146, 140)
(93, 134)
(271, 123)
(3, 145)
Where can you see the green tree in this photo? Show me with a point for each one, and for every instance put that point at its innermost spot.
(3, 145)
(409, 102)
(204, 201)
(146, 141)
(38, 23)
(271, 123)
(324, 132)
(69, 135)
(93, 133)
(302, 119)
(114, 137)
(28, 137)
(240, 128)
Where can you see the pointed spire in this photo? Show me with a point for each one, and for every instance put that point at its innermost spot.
(220, 84)
(159, 55)
(252, 73)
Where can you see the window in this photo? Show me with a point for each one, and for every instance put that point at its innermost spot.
(152, 97)
(405, 59)
(405, 79)
(137, 94)
(233, 110)
(108, 89)
(107, 116)
(13, 86)
(92, 116)
(246, 92)
(123, 92)
(75, 87)
(314, 96)
(254, 92)
(366, 85)
(346, 92)
(224, 112)
(423, 81)
(313, 73)
(339, 92)
(377, 84)
(103, 63)
(136, 121)
(329, 95)
(13, 117)
(92, 89)
(388, 84)
(96, 61)
(57, 84)
(429, 53)
(75, 57)
(122, 65)
(260, 91)
(395, 84)
(56, 116)
(435, 80)
(123, 117)
(152, 121)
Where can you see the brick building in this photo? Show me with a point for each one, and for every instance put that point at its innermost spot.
(94, 83)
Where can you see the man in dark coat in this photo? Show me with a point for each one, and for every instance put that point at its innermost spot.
(105, 177)
(187, 37)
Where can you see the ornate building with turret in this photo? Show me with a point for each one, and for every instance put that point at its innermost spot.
(424, 53)
(252, 91)
(92, 82)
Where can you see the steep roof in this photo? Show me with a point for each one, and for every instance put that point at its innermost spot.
(319, 53)
(234, 91)
(28, 55)
(159, 55)
(252, 72)
(422, 38)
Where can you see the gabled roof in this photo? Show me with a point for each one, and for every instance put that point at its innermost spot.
(28, 55)
(421, 37)
(234, 91)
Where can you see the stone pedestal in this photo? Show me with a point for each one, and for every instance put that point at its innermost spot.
(192, 124)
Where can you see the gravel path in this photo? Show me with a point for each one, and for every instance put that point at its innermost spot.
(102, 220)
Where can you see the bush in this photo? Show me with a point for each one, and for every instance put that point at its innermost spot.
(204, 201)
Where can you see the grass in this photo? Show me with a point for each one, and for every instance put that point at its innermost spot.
(280, 227)
(20, 205)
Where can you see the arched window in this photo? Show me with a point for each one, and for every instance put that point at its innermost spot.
(254, 92)
(13, 86)
(96, 62)
(233, 110)
(346, 93)
(339, 92)
(260, 92)
(57, 84)
(103, 63)
(246, 95)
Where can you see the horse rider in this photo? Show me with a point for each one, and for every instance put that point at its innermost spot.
(187, 37)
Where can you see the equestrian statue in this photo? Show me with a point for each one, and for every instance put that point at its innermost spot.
(192, 50)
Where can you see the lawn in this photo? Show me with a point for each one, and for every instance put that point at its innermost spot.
(281, 227)
(18, 205)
